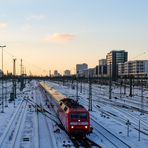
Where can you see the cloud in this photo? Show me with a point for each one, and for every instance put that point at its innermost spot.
(60, 37)
(3, 25)
(36, 17)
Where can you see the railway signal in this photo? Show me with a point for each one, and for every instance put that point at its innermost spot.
(128, 123)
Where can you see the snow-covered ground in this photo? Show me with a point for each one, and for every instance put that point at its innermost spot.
(112, 117)
(23, 126)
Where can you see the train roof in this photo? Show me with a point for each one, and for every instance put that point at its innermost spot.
(71, 103)
(54, 93)
(59, 97)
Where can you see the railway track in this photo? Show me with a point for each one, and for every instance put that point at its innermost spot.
(119, 97)
(89, 143)
(12, 135)
(124, 104)
(45, 134)
(117, 105)
(84, 142)
(135, 121)
(123, 117)
(113, 139)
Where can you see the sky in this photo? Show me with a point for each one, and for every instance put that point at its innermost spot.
(58, 34)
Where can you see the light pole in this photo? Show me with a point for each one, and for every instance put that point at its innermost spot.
(2, 81)
(14, 81)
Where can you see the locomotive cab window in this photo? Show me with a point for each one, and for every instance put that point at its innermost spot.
(79, 116)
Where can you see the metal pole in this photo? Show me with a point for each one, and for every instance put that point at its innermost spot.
(14, 82)
(81, 87)
(77, 88)
(72, 85)
(6, 103)
(131, 83)
(90, 95)
(139, 131)
(84, 88)
(110, 83)
(141, 98)
(63, 81)
(120, 90)
(124, 87)
(21, 68)
(2, 82)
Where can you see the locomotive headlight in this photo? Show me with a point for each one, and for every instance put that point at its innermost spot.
(86, 126)
(72, 126)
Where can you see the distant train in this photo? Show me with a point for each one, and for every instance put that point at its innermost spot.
(74, 117)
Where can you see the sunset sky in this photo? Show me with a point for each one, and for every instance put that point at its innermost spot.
(58, 34)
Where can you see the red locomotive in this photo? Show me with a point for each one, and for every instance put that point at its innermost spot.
(74, 117)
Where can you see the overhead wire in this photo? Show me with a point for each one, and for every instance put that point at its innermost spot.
(139, 55)
(12, 55)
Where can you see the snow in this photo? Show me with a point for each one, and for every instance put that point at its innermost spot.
(37, 130)
(113, 125)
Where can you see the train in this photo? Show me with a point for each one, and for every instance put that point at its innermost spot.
(73, 116)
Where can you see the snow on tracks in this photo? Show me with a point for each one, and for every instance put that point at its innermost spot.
(11, 133)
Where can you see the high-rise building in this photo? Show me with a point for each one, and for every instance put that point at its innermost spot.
(113, 58)
(80, 68)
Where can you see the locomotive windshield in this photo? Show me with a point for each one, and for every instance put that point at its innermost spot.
(80, 116)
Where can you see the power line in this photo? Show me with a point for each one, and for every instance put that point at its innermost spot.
(139, 55)
(35, 66)
(10, 54)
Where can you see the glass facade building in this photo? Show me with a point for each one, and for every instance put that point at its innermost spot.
(113, 58)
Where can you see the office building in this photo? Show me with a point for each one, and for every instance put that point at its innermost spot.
(113, 58)
(80, 68)
(135, 68)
